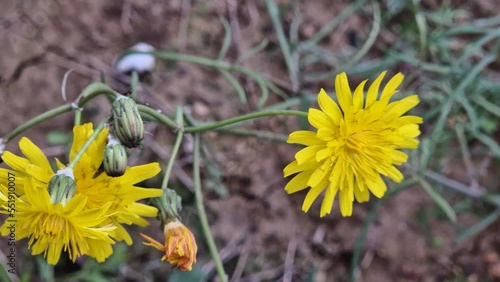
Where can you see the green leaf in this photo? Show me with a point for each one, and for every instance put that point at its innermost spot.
(236, 85)
(227, 39)
(439, 200)
(487, 221)
(493, 199)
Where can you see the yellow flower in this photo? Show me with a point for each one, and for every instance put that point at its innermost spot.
(52, 228)
(180, 246)
(354, 144)
(34, 165)
(98, 187)
(7, 200)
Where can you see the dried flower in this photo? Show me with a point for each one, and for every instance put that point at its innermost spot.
(180, 246)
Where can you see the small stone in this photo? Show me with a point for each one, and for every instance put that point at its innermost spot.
(137, 62)
(201, 109)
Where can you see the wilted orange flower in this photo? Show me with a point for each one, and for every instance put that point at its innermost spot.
(180, 246)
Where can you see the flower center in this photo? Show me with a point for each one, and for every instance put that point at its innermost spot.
(53, 226)
(355, 143)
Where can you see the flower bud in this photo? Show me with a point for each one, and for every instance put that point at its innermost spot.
(115, 158)
(180, 245)
(62, 186)
(173, 203)
(128, 125)
(169, 205)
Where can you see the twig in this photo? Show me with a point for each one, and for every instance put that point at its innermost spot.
(269, 275)
(202, 213)
(471, 170)
(242, 262)
(125, 18)
(184, 24)
(289, 260)
(453, 184)
(232, 7)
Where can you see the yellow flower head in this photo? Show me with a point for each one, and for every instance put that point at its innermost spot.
(52, 228)
(98, 187)
(354, 144)
(180, 246)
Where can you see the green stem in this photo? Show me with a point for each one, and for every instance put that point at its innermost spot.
(134, 83)
(36, 120)
(78, 117)
(158, 116)
(369, 41)
(83, 99)
(202, 213)
(284, 44)
(175, 149)
(263, 135)
(217, 124)
(85, 146)
(242, 118)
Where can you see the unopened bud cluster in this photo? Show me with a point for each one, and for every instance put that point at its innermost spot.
(127, 131)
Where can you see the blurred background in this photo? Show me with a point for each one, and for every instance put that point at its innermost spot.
(440, 225)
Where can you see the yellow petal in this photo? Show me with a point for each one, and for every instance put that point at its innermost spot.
(327, 204)
(294, 167)
(319, 119)
(361, 195)
(344, 95)
(15, 162)
(394, 174)
(307, 154)
(319, 174)
(313, 194)
(358, 96)
(80, 134)
(345, 202)
(398, 157)
(390, 88)
(377, 187)
(299, 182)
(404, 120)
(409, 130)
(136, 174)
(399, 108)
(323, 154)
(373, 90)
(39, 173)
(33, 153)
(328, 106)
(304, 137)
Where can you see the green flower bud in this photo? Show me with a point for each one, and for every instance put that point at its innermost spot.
(169, 205)
(173, 203)
(115, 158)
(128, 125)
(62, 186)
